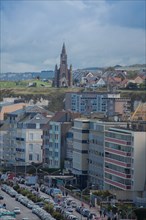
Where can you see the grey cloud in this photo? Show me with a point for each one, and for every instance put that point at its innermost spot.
(32, 35)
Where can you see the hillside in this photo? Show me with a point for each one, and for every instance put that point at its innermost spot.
(56, 96)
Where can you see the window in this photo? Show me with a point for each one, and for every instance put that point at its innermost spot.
(50, 162)
(31, 136)
(56, 145)
(50, 153)
(31, 147)
(56, 154)
(56, 136)
(30, 157)
(56, 128)
(56, 163)
(37, 126)
(37, 157)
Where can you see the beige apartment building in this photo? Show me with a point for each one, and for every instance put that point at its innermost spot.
(80, 150)
(7, 107)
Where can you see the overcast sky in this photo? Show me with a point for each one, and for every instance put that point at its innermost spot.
(96, 33)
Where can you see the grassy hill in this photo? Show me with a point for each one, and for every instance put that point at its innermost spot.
(54, 95)
(21, 89)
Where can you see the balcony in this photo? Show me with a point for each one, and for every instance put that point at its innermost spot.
(19, 139)
(117, 173)
(118, 152)
(128, 165)
(117, 163)
(117, 184)
(20, 150)
(116, 141)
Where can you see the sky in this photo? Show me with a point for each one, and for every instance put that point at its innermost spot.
(97, 33)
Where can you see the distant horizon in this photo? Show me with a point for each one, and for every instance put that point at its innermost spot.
(85, 68)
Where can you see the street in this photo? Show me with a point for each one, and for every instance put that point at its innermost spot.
(11, 203)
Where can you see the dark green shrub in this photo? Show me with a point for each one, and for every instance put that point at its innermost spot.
(49, 208)
(57, 215)
(16, 187)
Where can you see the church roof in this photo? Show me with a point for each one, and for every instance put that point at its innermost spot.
(63, 48)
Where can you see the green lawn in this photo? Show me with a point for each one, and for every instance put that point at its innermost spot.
(23, 84)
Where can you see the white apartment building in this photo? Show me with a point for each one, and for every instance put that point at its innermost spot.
(23, 141)
(96, 151)
(54, 146)
(125, 158)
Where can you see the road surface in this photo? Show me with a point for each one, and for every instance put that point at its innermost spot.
(11, 203)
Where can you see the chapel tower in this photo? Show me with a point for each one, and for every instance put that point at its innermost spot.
(63, 75)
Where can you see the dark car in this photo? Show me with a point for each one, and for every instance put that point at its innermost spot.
(1, 197)
(40, 204)
(85, 212)
(91, 215)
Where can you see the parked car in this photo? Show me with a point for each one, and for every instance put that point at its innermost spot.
(16, 210)
(69, 209)
(85, 212)
(73, 204)
(91, 215)
(1, 197)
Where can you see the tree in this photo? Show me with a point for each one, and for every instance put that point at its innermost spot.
(140, 213)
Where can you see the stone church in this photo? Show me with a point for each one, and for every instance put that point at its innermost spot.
(63, 75)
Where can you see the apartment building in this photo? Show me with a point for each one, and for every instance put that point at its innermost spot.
(3, 132)
(68, 163)
(23, 141)
(125, 158)
(10, 106)
(55, 136)
(96, 150)
(80, 150)
(86, 103)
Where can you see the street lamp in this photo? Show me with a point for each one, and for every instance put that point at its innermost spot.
(66, 181)
(35, 167)
(50, 173)
(82, 196)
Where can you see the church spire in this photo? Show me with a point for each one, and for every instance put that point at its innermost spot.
(63, 49)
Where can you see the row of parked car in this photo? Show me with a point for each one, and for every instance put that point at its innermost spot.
(85, 212)
(36, 209)
(66, 208)
(67, 205)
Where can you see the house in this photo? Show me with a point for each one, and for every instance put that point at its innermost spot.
(124, 83)
(100, 83)
(139, 80)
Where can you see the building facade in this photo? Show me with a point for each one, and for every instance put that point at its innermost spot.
(125, 159)
(23, 141)
(86, 103)
(80, 151)
(96, 151)
(63, 75)
(55, 138)
(6, 107)
(68, 163)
